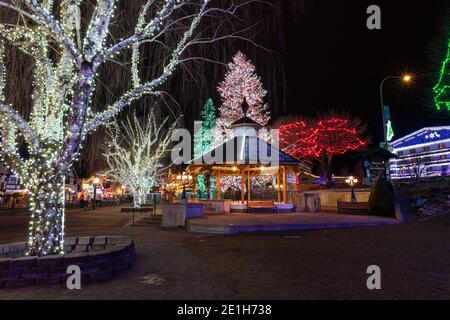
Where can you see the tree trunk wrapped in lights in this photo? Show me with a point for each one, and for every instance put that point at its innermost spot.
(135, 152)
(65, 69)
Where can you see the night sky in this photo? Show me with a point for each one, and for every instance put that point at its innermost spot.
(335, 62)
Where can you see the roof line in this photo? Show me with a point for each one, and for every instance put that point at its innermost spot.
(418, 131)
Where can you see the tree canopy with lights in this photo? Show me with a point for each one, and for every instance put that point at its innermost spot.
(331, 135)
(67, 59)
(135, 153)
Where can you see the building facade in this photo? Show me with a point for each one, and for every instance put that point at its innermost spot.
(424, 153)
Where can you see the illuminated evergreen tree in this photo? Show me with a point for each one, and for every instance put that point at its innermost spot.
(204, 138)
(241, 82)
(442, 89)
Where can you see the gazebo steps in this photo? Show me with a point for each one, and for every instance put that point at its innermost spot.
(149, 221)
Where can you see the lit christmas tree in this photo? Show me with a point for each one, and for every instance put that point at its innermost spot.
(204, 138)
(241, 82)
(442, 88)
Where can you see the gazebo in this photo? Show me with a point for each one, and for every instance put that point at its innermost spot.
(245, 155)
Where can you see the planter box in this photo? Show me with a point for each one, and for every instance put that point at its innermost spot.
(176, 214)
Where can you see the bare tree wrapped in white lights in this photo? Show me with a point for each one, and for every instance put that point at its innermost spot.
(134, 153)
(65, 69)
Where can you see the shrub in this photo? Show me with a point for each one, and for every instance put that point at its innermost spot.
(382, 198)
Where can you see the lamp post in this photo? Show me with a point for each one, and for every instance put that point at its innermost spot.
(352, 181)
(184, 179)
(405, 79)
(96, 181)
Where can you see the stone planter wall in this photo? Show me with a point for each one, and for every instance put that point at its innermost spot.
(99, 258)
(176, 214)
(215, 207)
(328, 198)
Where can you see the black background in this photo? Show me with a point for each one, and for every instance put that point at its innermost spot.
(335, 62)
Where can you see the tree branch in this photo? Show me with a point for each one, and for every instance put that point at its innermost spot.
(98, 28)
(149, 29)
(54, 27)
(148, 87)
(22, 126)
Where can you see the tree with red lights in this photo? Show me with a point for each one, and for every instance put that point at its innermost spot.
(331, 135)
(241, 82)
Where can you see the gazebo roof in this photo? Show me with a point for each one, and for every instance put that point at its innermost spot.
(245, 120)
(234, 153)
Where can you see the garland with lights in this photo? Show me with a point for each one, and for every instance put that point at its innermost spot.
(63, 86)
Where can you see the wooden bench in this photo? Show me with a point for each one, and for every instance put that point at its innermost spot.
(357, 208)
(261, 205)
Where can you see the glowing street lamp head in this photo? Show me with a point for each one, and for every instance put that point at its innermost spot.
(407, 78)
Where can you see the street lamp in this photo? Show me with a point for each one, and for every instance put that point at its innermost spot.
(352, 181)
(184, 179)
(405, 79)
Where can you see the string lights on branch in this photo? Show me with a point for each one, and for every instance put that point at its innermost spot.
(329, 137)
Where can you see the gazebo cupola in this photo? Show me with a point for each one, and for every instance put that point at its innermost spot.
(245, 126)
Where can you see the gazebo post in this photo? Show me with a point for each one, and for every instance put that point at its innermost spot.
(242, 185)
(218, 186)
(284, 184)
(249, 186)
(278, 185)
(195, 187)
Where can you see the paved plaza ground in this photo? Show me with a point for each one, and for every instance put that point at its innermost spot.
(318, 264)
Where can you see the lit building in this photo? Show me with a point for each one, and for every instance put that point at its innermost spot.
(424, 153)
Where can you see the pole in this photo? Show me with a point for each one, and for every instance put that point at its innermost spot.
(384, 122)
(95, 197)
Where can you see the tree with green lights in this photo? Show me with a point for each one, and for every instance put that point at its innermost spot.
(439, 53)
(442, 89)
(204, 138)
